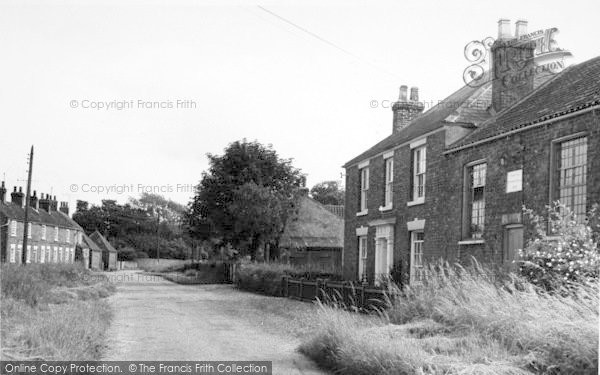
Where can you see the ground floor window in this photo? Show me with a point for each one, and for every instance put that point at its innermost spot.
(416, 256)
(13, 253)
(362, 258)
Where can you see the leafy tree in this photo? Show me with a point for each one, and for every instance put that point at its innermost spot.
(245, 197)
(328, 192)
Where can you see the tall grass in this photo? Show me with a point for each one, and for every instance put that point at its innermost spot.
(52, 311)
(464, 321)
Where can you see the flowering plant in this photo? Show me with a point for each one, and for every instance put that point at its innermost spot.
(569, 253)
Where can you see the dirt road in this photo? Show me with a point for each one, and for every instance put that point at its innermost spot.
(159, 320)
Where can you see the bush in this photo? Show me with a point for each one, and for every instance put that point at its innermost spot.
(126, 253)
(266, 278)
(569, 255)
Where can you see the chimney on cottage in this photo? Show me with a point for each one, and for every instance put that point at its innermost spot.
(512, 65)
(33, 201)
(64, 208)
(44, 203)
(16, 197)
(406, 110)
(2, 193)
(53, 204)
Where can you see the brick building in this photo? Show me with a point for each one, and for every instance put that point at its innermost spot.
(450, 183)
(52, 235)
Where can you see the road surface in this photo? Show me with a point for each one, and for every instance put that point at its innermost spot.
(156, 319)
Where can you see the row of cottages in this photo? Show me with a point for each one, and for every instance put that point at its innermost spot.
(313, 235)
(53, 237)
(451, 182)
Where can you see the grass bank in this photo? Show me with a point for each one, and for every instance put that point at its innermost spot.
(462, 322)
(53, 312)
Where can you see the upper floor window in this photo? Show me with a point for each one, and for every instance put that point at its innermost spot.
(389, 181)
(43, 232)
(419, 162)
(474, 219)
(364, 188)
(572, 175)
(13, 228)
(68, 236)
(56, 234)
(28, 230)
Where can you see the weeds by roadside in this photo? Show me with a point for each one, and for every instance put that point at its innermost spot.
(53, 312)
(463, 322)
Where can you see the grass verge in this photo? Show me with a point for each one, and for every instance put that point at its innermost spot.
(53, 312)
(464, 323)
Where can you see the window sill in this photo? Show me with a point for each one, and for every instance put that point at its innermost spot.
(362, 213)
(387, 207)
(415, 202)
(472, 242)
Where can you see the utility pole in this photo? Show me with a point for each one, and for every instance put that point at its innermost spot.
(26, 219)
(158, 236)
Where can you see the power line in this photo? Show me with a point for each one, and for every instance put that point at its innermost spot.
(320, 38)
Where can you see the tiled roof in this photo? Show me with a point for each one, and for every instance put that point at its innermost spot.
(574, 89)
(90, 244)
(313, 226)
(465, 106)
(102, 242)
(54, 218)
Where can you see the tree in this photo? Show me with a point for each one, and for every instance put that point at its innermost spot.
(245, 197)
(328, 192)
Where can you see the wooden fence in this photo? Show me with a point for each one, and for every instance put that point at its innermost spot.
(343, 294)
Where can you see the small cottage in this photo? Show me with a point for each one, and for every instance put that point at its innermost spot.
(109, 253)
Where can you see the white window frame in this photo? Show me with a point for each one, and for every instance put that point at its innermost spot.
(419, 169)
(362, 257)
(29, 230)
(55, 255)
(55, 234)
(28, 255)
(13, 253)
(42, 254)
(68, 236)
(13, 228)
(364, 191)
(416, 271)
(44, 232)
(389, 183)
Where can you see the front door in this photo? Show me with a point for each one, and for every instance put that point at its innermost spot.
(513, 242)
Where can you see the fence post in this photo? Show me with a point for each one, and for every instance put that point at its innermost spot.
(284, 286)
(362, 296)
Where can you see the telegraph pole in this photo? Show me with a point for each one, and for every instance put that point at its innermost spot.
(26, 219)
(158, 236)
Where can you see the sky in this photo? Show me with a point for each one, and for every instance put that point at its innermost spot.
(122, 97)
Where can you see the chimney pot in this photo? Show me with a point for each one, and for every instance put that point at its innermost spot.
(520, 28)
(504, 29)
(403, 91)
(2, 193)
(414, 94)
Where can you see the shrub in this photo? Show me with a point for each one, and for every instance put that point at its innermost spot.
(266, 278)
(569, 255)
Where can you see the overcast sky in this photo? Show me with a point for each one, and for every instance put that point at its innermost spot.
(300, 76)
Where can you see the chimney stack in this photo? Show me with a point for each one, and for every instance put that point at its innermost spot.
(64, 208)
(404, 110)
(513, 66)
(53, 204)
(2, 193)
(16, 197)
(33, 201)
(504, 29)
(44, 203)
(520, 28)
